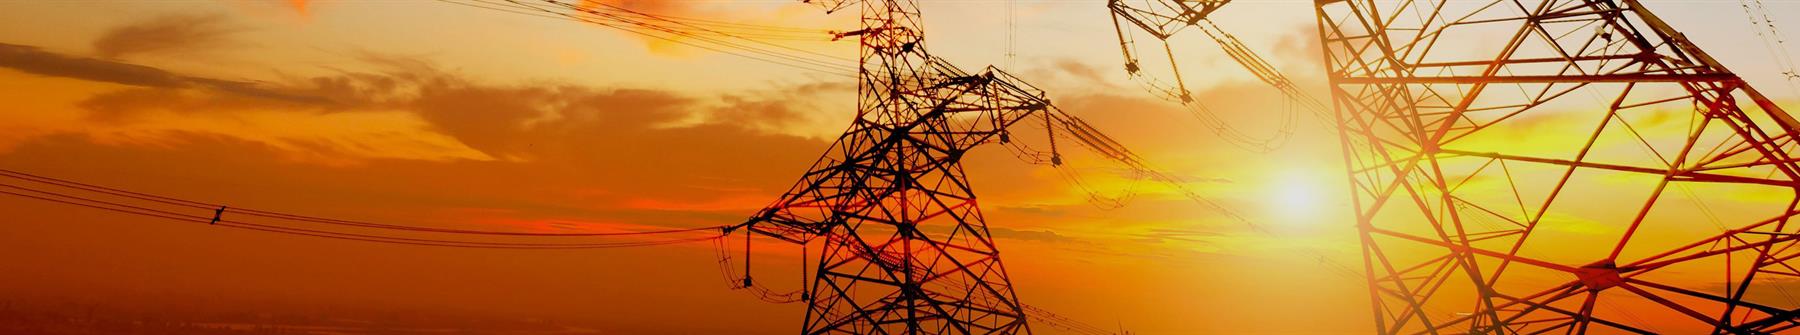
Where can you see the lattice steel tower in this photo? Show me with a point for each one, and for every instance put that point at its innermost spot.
(906, 249)
(1559, 166)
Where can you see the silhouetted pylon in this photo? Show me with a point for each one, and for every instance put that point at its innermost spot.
(906, 248)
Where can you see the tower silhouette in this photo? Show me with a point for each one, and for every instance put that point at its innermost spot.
(906, 247)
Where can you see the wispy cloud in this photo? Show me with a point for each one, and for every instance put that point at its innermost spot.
(37, 61)
(168, 33)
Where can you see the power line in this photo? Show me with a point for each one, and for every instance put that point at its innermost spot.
(1164, 19)
(755, 42)
(303, 218)
(146, 205)
(1757, 15)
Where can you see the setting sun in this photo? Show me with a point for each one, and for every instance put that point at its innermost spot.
(1297, 197)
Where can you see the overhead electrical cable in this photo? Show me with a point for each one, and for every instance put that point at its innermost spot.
(93, 196)
(755, 42)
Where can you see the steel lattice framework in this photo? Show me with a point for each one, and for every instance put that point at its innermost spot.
(1566, 166)
(906, 248)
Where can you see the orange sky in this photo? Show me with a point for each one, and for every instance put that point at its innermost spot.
(427, 113)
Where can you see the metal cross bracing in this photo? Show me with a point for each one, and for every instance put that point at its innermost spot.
(1559, 166)
(906, 249)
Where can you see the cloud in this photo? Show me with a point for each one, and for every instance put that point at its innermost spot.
(1184, 235)
(1041, 235)
(788, 108)
(539, 120)
(128, 104)
(487, 116)
(37, 61)
(583, 147)
(1085, 73)
(32, 60)
(168, 33)
(1301, 48)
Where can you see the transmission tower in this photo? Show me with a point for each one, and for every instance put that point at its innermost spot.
(906, 248)
(1668, 212)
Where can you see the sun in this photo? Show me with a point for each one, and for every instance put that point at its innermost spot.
(1296, 197)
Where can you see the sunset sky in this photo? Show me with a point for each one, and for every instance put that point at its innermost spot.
(433, 114)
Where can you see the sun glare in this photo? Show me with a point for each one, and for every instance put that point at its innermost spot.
(1295, 197)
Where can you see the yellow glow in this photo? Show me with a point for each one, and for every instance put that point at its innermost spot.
(1295, 197)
